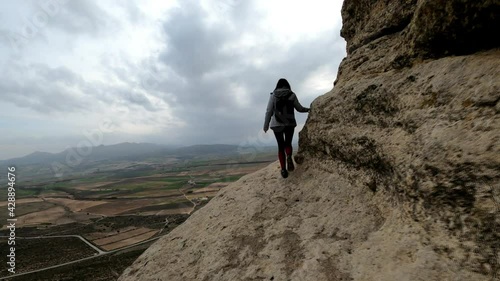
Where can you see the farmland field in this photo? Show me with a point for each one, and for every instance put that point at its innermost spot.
(118, 208)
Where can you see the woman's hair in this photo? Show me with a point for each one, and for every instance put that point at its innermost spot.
(283, 84)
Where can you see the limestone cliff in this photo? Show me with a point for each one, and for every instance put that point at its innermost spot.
(400, 165)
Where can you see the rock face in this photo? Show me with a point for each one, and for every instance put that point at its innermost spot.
(400, 165)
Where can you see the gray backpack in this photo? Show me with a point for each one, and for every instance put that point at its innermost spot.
(283, 109)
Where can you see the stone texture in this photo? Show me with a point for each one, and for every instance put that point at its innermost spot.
(454, 27)
(428, 137)
(315, 225)
(400, 165)
(367, 20)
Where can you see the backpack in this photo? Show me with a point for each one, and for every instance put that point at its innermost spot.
(283, 109)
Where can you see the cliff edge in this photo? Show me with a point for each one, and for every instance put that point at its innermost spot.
(399, 165)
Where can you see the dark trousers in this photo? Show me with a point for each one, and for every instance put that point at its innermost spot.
(284, 138)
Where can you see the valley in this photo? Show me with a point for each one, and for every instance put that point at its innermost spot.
(109, 210)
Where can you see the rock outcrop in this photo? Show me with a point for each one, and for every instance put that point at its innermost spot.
(400, 165)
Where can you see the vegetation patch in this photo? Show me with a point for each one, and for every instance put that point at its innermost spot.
(32, 254)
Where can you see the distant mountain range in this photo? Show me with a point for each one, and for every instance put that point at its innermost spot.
(123, 151)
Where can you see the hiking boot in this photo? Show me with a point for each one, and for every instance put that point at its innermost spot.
(284, 173)
(289, 163)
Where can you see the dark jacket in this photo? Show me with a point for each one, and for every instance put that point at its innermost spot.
(292, 98)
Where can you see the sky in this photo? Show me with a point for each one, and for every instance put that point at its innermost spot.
(167, 72)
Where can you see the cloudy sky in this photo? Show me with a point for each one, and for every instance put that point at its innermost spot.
(171, 72)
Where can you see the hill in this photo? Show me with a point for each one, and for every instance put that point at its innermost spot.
(95, 153)
(124, 151)
(399, 165)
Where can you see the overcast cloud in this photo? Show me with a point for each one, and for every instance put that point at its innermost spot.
(172, 72)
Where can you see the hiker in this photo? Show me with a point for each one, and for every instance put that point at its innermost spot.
(280, 113)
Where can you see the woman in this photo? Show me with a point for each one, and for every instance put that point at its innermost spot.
(280, 113)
